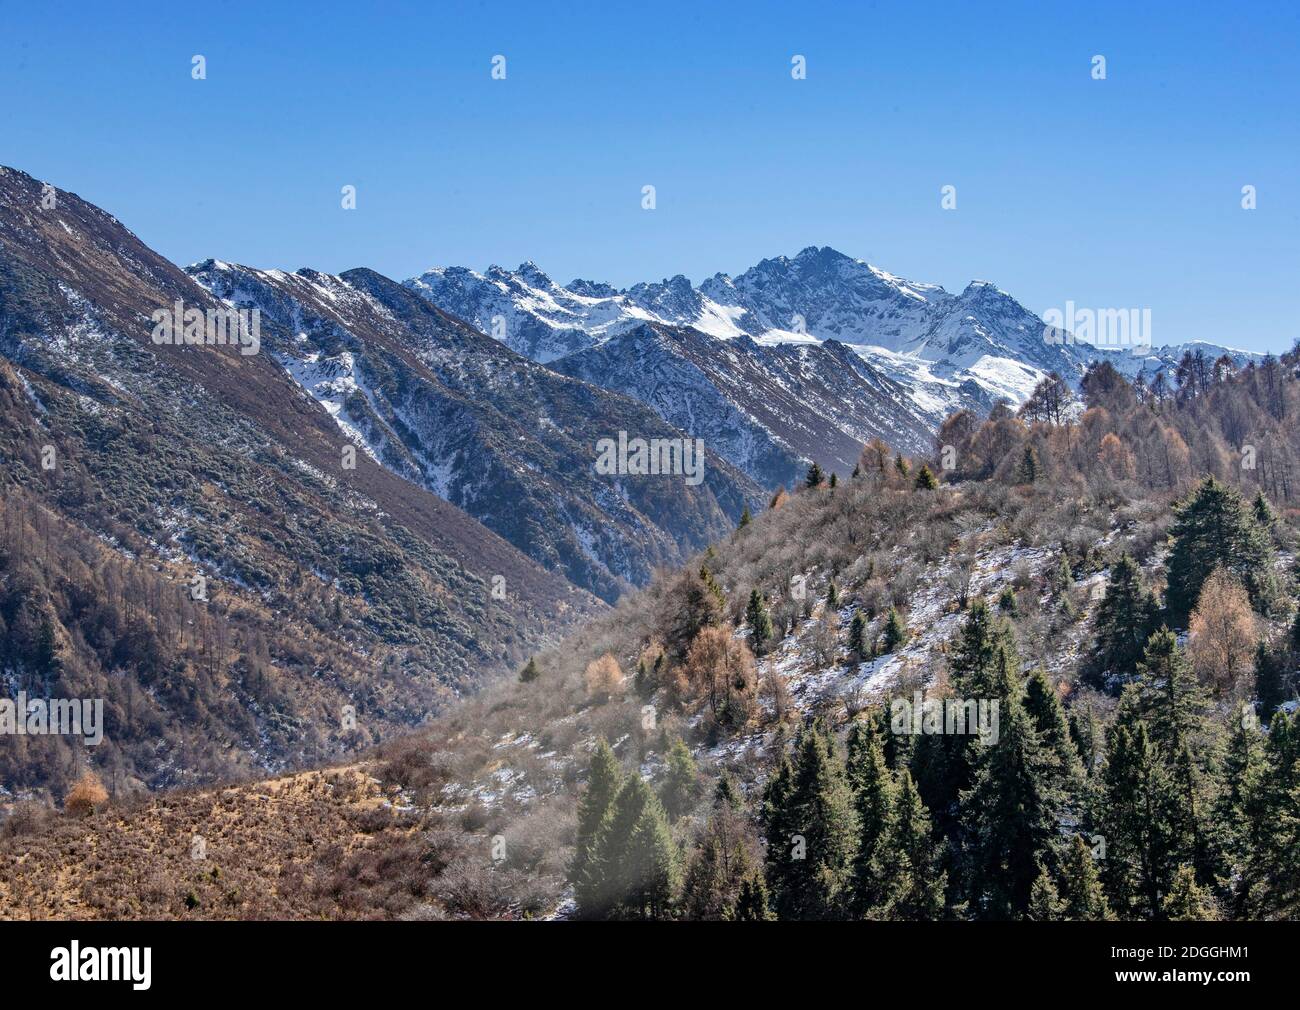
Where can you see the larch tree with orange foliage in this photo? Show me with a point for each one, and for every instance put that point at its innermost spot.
(1224, 633)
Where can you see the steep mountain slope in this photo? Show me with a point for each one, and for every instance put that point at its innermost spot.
(940, 351)
(764, 407)
(211, 475)
(506, 439)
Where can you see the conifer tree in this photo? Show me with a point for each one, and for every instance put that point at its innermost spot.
(745, 518)
(1213, 528)
(1007, 602)
(1045, 904)
(681, 785)
(925, 479)
(835, 480)
(1270, 881)
(1010, 815)
(1044, 707)
(832, 595)
(753, 904)
(1027, 472)
(895, 633)
(588, 874)
(1126, 617)
(815, 476)
(873, 797)
(530, 672)
(724, 860)
(1142, 840)
(909, 859)
(1263, 511)
(812, 839)
(901, 466)
(760, 622)
(1188, 901)
(1082, 898)
(653, 866)
(858, 636)
(1273, 667)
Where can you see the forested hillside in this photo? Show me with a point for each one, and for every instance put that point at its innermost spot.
(774, 730)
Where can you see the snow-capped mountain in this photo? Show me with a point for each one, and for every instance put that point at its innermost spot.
(772, 353)
(506, 439)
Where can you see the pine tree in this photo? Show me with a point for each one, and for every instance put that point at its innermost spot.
(1126, 617)
(925, 479)
(1028, 470)
(909, 860)
(815, 476)
(1082, 898)
(1172, 703)
(681, 785)
(1272, 678)
(1213, 529)
(1270, 881)
(1263, 511)
(1044, 707)
(895, 633)
(832, 595)
(745, 518)
(1143, 842)
(835, 480)
(1011, 816)
(1243, 763)
(1188, 901)
(1007, 602)
(1045, 904)
(589, 875)
(530, 672)
(812, 839)
(858, 636)
(873, 795)
(653, 866)
(753, 904)
(614, 843)
(759, 621)
(724, 859)
(901, 466)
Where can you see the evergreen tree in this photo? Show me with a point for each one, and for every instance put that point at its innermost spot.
(745, 518)
(1044, 707)
(1028, 470)
(873, 797)
(1243, 763)
(812, 840)
(1213, 529)
(753, 904)
(681, 785)
(1263, 511)
(1045, 904)
(1011, 816)
(589, 875)
(1171, 701)
(909, 861)
(530, 672)
(832, 595)
(1188, 901)
(1270, 881)
(1143, 844)
(1007, 602)
(815, 476)
(653, 866)
(1082, 898)
(901, 466)
(835, 480)
(1272, 678)
(925, 479)
(895, 633)
(760, 622)
(1126, 617)
(858, 636)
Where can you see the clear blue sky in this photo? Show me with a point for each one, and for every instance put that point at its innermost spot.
(1117, 193)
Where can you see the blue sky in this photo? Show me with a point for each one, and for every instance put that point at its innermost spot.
(1117, 193)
